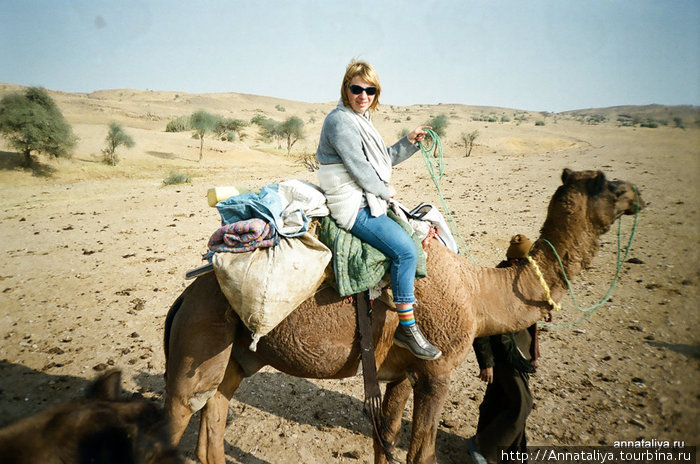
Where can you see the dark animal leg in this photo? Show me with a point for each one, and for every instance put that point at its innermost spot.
(429, 395)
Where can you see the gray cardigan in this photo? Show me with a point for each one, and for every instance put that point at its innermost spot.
(341, 143)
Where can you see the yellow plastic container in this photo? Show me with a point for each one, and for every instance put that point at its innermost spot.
(217, 194)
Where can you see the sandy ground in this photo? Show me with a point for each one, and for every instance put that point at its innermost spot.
(94, 255)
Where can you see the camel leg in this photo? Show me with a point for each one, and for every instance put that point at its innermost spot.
(189, 388)
(200, 343)
(395, 398)
(429, 395)
(212, 426)
(179, 415)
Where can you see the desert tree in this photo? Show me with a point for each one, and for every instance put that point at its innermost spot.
(468, 141)
(226, 127)
(32, 122)
(292, 129)
(202, 123)
(269, 128)
(115, 138)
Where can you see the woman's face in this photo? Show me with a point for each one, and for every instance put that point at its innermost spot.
(359, 103)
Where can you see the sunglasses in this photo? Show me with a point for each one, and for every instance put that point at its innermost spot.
(357, 90)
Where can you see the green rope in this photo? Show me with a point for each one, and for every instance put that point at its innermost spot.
(589, 311)
(435, 164)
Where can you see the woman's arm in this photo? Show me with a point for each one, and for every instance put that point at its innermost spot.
(407, 146)
(344, 137)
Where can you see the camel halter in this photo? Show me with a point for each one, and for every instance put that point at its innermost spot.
(547, 292)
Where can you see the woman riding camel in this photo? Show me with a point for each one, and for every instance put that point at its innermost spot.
(354, 173)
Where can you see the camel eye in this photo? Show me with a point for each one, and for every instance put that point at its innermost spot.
(617, 188)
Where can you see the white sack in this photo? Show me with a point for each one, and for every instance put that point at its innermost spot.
(265, 285)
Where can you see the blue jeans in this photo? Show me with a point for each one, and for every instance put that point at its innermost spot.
(387, 236)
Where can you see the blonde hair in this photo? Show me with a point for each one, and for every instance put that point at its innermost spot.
(367, 73)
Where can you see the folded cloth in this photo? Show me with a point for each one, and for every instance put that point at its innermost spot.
(241, 236)
(286, 206)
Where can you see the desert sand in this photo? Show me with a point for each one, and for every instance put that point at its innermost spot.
(93, 256)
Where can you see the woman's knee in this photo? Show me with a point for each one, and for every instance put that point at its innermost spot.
(407, 252)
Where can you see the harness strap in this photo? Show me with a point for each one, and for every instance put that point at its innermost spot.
(373, 394)
(369, 365)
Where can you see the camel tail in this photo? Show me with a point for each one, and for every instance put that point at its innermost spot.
(174, 308)
(373, 407)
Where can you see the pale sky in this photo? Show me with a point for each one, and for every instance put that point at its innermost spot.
(540, 55)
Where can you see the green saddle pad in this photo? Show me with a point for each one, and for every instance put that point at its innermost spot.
(357, 265)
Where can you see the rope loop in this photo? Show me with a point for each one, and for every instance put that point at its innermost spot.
(589, 311)
(435, 163)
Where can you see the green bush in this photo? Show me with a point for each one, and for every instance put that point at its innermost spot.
(175, 178)
(595, 119)
(179, 124)
(539, 123)
(439, 124)
(258, 119)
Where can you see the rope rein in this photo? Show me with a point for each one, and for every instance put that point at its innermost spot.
(589, 311)
(435, 165)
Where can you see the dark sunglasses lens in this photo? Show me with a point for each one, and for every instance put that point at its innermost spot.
(357, 90)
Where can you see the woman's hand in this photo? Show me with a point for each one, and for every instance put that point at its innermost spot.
(417, 134)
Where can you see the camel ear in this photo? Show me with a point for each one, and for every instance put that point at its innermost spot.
(597, 184)
(107, 387)
(565, 175)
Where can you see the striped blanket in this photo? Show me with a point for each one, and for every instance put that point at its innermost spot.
(243, 236)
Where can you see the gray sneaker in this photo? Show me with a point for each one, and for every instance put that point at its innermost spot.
(411, 338)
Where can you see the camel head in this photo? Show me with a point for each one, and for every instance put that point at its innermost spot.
(600, 200)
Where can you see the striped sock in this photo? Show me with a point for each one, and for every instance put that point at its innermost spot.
(406, 317)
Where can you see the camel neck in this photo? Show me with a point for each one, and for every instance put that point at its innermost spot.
(576, 251)
(526, 303)
(518, 307)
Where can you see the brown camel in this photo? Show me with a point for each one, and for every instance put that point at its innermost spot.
(207, 353)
